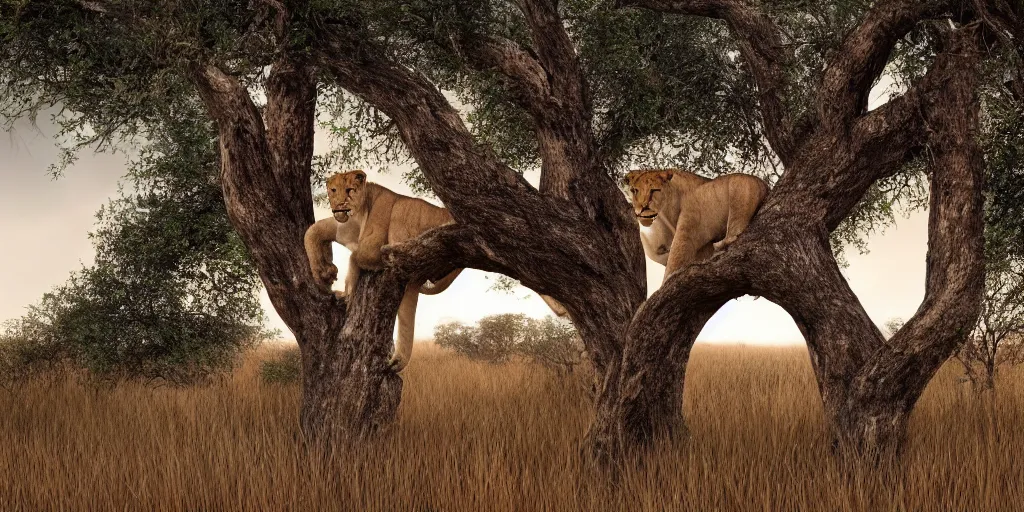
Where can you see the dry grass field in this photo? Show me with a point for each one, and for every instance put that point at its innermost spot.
(496, 438)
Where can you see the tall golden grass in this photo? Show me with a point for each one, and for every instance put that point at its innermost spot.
(493, 438)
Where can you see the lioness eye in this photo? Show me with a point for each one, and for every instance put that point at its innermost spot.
(334, 190)
(349, 190)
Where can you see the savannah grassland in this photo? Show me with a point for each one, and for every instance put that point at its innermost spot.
(472, 436)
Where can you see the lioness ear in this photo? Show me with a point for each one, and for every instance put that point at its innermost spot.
(360, 176)
(665, 175)
(629, 177)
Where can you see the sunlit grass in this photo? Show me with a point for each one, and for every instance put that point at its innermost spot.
(472, 436)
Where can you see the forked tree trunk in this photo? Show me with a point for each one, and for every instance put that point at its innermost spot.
(575, 239)
(349, 391)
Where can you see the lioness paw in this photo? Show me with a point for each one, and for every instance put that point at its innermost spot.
(397, 363)
(326, 274)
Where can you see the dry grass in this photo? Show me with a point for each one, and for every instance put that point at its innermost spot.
(479, 437)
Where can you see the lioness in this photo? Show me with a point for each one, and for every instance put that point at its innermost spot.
(368, 216)
(685, 218)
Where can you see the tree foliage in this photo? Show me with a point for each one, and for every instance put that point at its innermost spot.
(172, 292)
(665, 90)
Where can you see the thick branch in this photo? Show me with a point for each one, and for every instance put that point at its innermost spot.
(438, 251)
(525, 75)
(954, 285)
(598, 257)
(761, 45)
(547, 81)
(863, 55)
(482, 193)
(885, 139)
(266, 182)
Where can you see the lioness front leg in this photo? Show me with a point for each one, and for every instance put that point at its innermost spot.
(317, 242)
(683, 252)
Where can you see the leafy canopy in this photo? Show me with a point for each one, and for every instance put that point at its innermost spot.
(665, 90)
(172, 292)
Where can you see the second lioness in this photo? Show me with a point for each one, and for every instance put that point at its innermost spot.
(367, 217)
(686, 217)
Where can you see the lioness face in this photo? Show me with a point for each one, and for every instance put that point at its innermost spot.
(345, 193)
(645, 190)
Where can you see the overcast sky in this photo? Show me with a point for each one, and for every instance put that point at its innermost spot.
(46, 224)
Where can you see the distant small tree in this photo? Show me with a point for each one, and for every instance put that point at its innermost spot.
(998, 337)
(493, 340)
(892, 325)
(550, 342)
(553, 343)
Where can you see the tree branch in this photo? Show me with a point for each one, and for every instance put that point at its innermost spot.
(761, 45)
(889, 136)
(438, 251)
(256, 168)
(859, 61)
(524, 73)
(955, 279)
(547, 81)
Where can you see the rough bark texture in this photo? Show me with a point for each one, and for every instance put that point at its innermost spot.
(349, 392)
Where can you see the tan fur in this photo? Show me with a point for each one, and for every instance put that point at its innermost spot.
(368, 216)
(686, 218)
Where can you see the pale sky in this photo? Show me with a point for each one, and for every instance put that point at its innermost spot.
(45, 225)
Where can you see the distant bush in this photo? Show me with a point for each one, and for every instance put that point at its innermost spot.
(284, 368)
(172, 295)
(550, 342)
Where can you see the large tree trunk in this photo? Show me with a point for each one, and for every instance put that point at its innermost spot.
(349, 391)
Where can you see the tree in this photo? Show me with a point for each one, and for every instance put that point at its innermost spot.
(172, 292)
(998, 338)
(577, 86)
(550, 342)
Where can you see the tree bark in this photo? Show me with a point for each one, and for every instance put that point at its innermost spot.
(349, 391)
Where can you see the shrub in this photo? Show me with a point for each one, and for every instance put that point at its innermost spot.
(550, 342)
(172, 295)
(284, 368)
